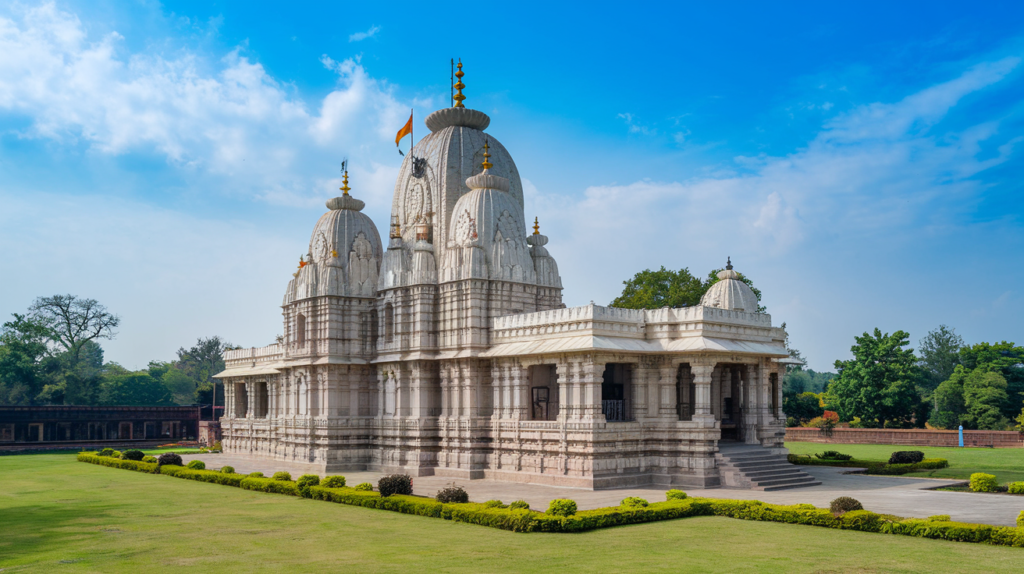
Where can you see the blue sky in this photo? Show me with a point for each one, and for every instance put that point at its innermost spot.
(861, 161)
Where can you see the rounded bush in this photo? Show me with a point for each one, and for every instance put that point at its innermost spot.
(115, 454)
(227, 469)
(452, 494)
(844, 504)
(1020, 519)
(106, 452)
(149, 459)
(519, 505)
(307, 480)
(939, 518)
(562, 507)
(133, 454)
(364, 486)
(675, 494)
(906, 457)
(282, 475)
(333, 482)
(394, 484)
(1015, 488)
(196, 465)
(256, 474)
(495, 504)
(633, 502)
(169, 458)
(981, 482)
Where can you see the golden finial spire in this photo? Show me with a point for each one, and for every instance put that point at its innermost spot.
(536, 227)
(344, 183)
(459, 86)
(487, 157)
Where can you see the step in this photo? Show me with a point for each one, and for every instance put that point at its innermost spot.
(758, 468)
(788, 486)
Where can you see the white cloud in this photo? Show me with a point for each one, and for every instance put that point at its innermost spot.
(360, 36)
(228, 123)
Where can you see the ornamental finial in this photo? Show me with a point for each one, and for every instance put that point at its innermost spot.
(728, 263)
(487, 157)
(344, 183)
(458, 97)
(536, 226)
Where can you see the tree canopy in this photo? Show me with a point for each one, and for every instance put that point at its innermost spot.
(939, 354)
(666, 288)
(879, 383)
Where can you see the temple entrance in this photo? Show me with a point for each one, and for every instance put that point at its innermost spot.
(686, 393)
(543, 392)
(727, 399)
(617, 391)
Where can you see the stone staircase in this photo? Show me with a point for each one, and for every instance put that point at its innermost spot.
(755, 467)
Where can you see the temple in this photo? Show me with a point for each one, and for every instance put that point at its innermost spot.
(449, 351)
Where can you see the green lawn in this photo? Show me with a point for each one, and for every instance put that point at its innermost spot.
(61, 515)
(1007, 464)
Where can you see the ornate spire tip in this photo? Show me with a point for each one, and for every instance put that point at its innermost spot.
(458, 97)
(728, 263)
(344, 183)
(487, 157)
(536, 226)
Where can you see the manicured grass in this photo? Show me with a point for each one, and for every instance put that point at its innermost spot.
(1007, 464)
(100, 519)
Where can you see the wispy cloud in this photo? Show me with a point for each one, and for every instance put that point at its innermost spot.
(634, 126)
(360, 36)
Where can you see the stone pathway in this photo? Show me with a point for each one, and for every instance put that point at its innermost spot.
(884, 494)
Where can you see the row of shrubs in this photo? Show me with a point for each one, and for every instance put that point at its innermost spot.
(981, 482)
(872, 466)
(563, 515)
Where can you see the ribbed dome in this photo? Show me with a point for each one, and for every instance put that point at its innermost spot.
(487, 238)
(730, 293)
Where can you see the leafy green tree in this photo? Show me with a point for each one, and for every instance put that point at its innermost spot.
(1005, 358)
(803, 406)
(985, 398)
(200, 363)
(662, 288)
(879, 383)
(948, 399)
(666, 288)
(22, 353)
(133, 389)
(181, 386)
(939, 354)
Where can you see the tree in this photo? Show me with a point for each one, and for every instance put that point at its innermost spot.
(74, 324)
(22, 352)
(200, 363)
(181, 386)
(985, 397)
(948, 398)
(879, 383)
(939, 352)
(1005, 358)
(133, 389)
(664, 288)
(803, 406)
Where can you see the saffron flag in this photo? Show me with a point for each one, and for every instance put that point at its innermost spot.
(406, 130)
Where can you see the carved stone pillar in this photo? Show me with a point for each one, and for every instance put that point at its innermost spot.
(249, 395)
(667, 392)
(591, 376)
(519, 391)
(702, 385)
(565, 407)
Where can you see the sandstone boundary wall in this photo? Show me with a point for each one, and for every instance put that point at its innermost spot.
(911, 437)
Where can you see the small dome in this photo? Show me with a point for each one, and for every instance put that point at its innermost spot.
(730, 293)
(488, 235)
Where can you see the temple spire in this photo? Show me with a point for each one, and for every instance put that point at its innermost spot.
(344, 183)
(536, 226)
(458, 97)
(487, 157)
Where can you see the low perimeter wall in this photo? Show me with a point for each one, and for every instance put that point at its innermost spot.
(913, 437)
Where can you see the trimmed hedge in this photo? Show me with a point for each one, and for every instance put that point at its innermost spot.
(196, 465)
(333, 481)
(270, 485)
(1015, 488)
(1020, 519)
(523, 520)
(675, 494)
(906, 457)
(872, 466)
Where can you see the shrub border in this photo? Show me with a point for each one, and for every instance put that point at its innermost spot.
(872, 466)
(521, 520)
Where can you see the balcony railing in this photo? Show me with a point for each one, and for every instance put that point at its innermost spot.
(614, 411)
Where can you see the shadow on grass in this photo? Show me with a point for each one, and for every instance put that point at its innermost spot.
(31, 532)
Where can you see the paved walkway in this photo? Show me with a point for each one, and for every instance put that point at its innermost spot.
(883, 494)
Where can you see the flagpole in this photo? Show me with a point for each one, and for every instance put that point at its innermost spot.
(412, 139)
(451, 99)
